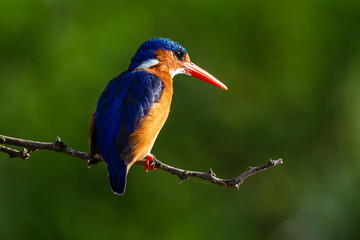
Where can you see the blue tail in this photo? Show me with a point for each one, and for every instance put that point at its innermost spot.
(117, 176)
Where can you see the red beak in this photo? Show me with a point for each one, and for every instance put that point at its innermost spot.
(201, 74)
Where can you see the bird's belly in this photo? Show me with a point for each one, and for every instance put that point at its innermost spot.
(142, 140)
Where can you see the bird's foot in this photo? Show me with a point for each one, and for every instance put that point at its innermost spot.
(150, 164)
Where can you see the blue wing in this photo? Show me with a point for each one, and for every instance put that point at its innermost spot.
(125, 101)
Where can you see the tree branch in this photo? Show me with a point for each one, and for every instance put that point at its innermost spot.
(58, 145)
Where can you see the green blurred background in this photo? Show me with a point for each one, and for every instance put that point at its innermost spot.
(292, 68)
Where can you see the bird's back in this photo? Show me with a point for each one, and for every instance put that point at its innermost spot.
(127, 120)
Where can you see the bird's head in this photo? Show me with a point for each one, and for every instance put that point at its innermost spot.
(169, 56)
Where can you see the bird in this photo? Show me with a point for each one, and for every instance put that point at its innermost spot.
(135, 105)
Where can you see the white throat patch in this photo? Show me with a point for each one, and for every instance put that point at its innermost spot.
(148, 63)
(178, 71)
(152, 62)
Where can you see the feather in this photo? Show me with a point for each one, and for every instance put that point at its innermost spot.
(125, 101)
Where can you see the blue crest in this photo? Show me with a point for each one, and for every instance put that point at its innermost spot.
(147, 50)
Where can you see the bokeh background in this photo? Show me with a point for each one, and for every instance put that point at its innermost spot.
(292, 68)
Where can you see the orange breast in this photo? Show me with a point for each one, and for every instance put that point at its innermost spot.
(142, 140)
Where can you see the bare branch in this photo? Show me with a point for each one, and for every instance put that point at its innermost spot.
(59, 146)
(15, 153)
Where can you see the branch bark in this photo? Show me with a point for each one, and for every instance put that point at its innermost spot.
(58, 145)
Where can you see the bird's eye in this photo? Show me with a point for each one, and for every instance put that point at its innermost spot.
(179, 54)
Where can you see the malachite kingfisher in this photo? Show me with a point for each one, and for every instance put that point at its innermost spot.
(135, 105)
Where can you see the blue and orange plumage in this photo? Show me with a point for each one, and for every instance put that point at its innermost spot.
(135, 105)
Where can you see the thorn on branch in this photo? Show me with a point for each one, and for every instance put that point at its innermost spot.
(59, 142)
(25, 153)
(182, 178)
(211, 173)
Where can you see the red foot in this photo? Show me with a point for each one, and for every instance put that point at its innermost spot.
(149, 163)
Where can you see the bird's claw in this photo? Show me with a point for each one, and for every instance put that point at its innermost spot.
(150, 164)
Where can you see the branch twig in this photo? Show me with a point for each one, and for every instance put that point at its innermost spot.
(58, 145)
